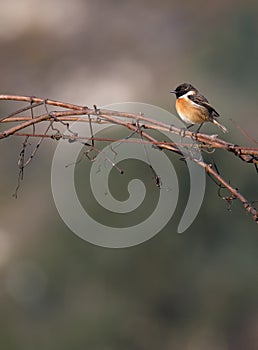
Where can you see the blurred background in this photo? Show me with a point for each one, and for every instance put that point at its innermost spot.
(196, 290)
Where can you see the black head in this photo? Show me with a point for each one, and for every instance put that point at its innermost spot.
(183, 89)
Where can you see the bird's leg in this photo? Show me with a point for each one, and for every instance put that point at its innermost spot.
(199, 128)
(195, 132)
(189, 126)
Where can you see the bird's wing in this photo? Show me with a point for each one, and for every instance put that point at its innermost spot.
(202, 101)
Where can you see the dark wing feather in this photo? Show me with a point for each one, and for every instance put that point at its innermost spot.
(202, 101)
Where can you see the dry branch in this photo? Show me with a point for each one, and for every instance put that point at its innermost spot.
(137, 123)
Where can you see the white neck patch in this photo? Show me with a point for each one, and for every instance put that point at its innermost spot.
(187, 94)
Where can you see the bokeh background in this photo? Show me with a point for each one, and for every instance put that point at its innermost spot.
(197, 290)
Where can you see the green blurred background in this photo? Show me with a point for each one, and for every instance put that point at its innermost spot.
(197, 290)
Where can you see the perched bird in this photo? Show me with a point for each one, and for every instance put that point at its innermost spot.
(194, 108)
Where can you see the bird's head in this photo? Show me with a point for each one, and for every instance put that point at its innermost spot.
(183, 89)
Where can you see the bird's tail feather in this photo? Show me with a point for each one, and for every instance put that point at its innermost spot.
(220, 125)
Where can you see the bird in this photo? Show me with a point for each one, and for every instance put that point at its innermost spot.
(192, 107)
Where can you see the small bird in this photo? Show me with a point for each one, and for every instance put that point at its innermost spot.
(193, 107)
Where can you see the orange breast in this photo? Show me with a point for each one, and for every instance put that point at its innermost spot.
(190, 113)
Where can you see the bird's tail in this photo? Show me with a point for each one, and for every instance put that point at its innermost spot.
(219, 125)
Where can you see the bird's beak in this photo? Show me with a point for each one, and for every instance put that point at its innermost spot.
(172, 91)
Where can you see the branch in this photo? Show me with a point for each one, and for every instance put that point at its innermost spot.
(137, 123)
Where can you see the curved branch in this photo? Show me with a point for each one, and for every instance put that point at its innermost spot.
(137, 123)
